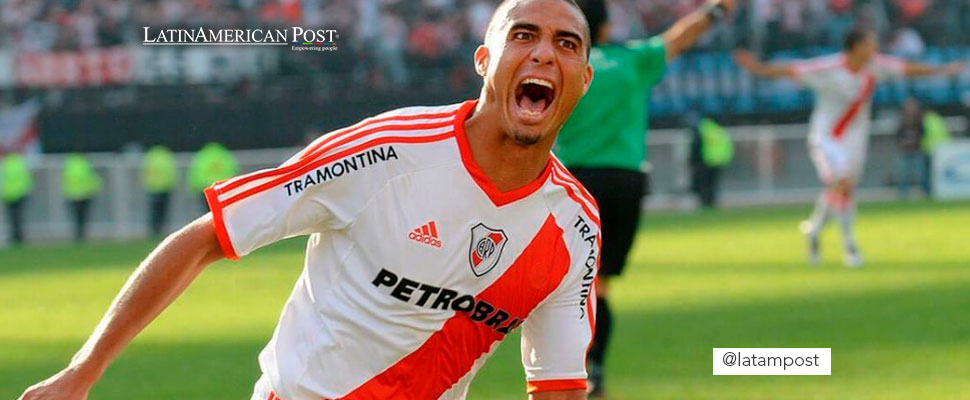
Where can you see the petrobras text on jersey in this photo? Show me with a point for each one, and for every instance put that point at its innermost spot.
(294, 36)
(441, 298)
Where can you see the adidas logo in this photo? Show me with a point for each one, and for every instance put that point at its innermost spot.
(427, 234)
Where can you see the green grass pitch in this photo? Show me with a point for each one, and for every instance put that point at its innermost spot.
(898, 328)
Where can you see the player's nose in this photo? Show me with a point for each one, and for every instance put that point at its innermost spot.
(543, 53)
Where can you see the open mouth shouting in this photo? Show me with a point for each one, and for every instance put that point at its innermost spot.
(533, 97)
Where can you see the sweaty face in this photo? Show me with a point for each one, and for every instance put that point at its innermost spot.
(535, 67)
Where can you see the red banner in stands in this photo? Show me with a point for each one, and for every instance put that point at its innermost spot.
(70, 69)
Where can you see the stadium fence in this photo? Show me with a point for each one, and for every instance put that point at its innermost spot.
(771, 166)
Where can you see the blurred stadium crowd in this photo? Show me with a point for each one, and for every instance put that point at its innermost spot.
(394, 52)
(434, 30)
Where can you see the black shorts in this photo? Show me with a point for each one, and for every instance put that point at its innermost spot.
(619, 194)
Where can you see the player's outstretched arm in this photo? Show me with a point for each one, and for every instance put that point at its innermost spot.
(750, 63)
(685, 32)
(164, 274)
(950, 69)
(559, 395)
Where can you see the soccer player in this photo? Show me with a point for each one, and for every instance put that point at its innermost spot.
(839, 126)
(434, 232)
(603, 142)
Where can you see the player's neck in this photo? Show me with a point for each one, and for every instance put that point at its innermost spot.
(508, 165)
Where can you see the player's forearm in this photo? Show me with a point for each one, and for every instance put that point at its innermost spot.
(751, 64)
(917, 69)
(164, 274)
(747, 60)
(773, 71)
(559, 395)
(685, 32)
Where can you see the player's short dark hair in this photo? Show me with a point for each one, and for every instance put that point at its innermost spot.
(856, 36)
(596, 15)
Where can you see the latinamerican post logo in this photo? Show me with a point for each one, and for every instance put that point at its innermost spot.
(298, 38)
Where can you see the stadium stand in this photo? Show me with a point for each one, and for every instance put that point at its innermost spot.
(401, 51)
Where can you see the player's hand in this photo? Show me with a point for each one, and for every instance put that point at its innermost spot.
(953, 68)
(65, 385)
(729, 5)
(746, 59)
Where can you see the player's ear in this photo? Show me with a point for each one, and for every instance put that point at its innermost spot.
(587, 78)
(481, 60)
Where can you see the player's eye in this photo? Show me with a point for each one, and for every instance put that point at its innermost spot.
(569, 44)
(522, 35)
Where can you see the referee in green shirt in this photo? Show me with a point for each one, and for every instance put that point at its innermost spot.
(603, 141)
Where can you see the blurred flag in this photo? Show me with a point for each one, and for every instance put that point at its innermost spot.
(18, 129)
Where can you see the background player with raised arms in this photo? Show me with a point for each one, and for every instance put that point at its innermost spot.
(603, 143)
(839, 127)
(375, 314)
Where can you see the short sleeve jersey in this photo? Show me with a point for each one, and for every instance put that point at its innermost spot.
(608, 126)
(843, 98)
(416, 266)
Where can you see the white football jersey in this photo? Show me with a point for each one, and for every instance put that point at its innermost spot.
(843, 98)
(416, 266)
